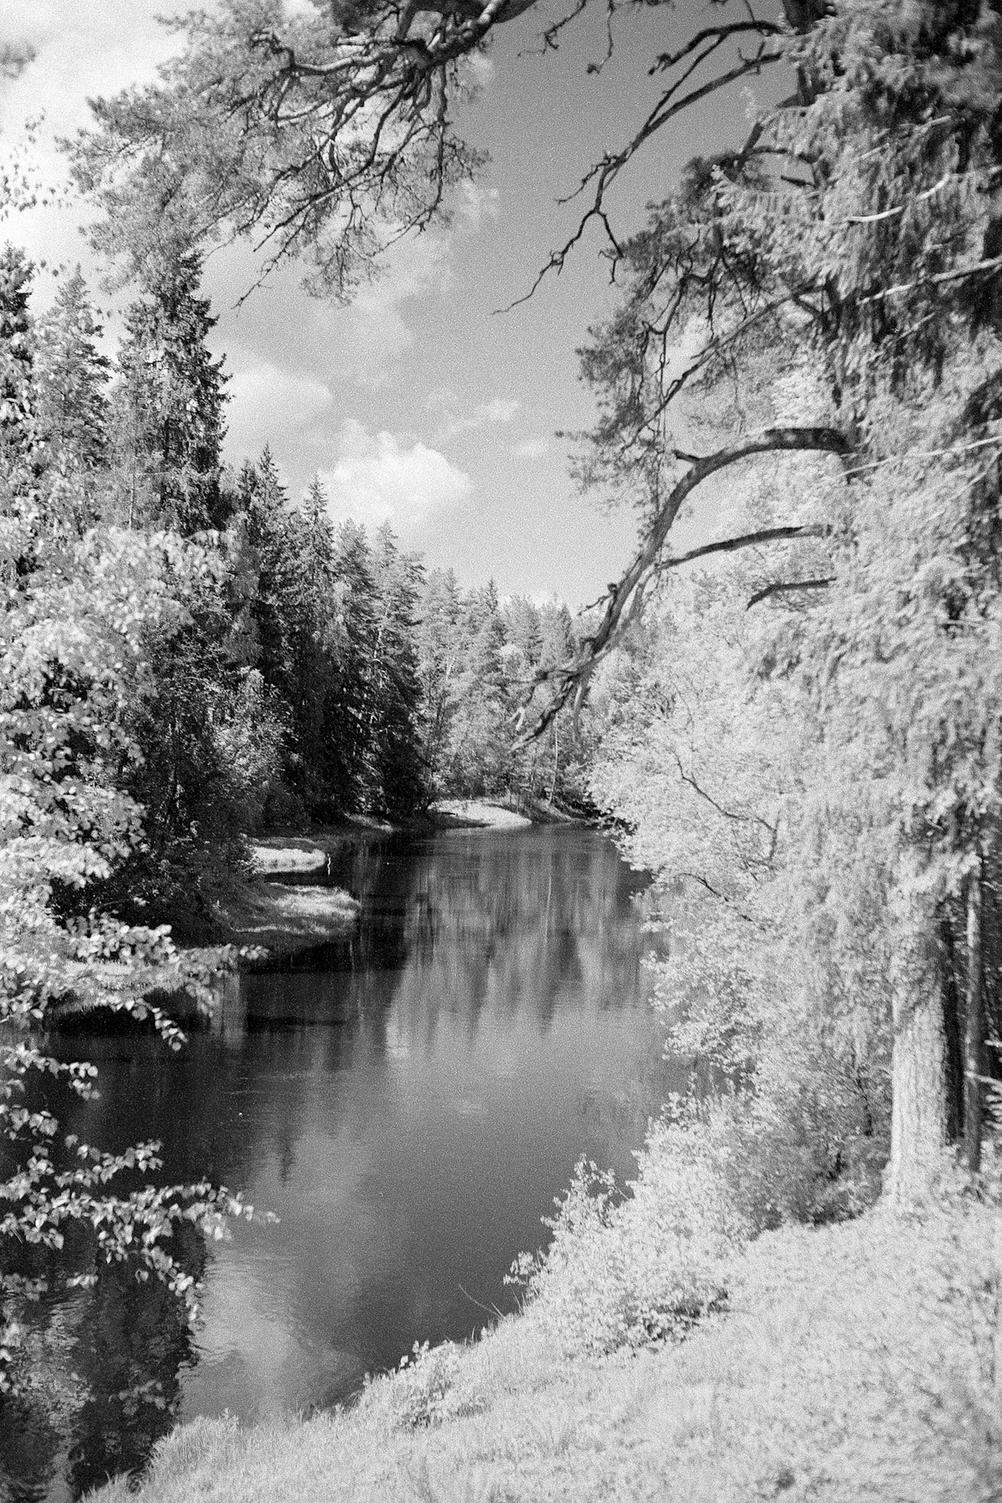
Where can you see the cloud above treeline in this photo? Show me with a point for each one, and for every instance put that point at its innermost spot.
(454, 418)
(377, 477)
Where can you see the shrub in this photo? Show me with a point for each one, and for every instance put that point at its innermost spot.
(625, 1271)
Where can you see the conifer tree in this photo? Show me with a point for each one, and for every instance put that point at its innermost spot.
(439, 653)
(482, 727)
(168, 405)
(72, 376)
(396, 688)
(352, 711)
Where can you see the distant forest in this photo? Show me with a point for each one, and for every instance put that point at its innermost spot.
(290, 671)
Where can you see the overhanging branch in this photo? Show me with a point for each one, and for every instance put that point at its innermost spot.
(625, 600)
(732, 545)
(789, 587)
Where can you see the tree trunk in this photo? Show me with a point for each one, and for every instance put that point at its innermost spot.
(918, 1058)
(974, 1023)
(952, 1024)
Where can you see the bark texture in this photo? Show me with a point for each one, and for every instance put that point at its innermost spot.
(918, 1058)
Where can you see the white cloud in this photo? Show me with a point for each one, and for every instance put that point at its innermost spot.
(378, 478)
(454, 420)
(265, 401)
(531, 448)
(373, 330)
(474, 206)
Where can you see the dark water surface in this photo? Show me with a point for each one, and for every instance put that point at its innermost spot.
(408, 1102)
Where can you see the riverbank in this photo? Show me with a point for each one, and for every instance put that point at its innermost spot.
(853, 1362)
(274, 916)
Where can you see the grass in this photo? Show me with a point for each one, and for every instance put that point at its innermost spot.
(852, 1363)
(279, 917)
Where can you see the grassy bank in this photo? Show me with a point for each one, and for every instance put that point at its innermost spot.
(279, 917)
(853, 1362)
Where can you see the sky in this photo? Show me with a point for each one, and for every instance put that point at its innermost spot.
(418, 404)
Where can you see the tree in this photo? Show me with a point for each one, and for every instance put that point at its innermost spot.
(439, 649)
(888, 171)
(168, 405)
(331, 130)
(71, 647)
(480, 733)
(71, 376)
(396, 687)
(352, 705)
(16, 354)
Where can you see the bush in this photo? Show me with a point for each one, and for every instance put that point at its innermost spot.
(626, 1271)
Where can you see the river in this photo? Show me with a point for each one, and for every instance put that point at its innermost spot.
(408, 1102)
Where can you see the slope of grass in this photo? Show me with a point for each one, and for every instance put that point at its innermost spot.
(852, 1363)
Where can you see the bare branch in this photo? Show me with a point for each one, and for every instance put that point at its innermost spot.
(720, 33)
(785, 587)
(745, 540)
(744, 819)
(604, 173)
(625, 601)
(993, 263)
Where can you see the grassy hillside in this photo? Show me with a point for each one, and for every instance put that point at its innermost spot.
(851, 1362)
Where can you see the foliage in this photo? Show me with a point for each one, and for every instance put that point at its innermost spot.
(635, 1270)
(423, 1385)
(72, 654)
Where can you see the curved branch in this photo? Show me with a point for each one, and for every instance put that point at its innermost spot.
(625, 600)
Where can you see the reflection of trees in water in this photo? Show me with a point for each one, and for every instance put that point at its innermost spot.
(106, 1384)
(515, 924)
(518, 928)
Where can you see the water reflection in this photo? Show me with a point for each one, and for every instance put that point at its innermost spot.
(408, 1101)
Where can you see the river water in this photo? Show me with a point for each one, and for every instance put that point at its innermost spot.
(408, 1102)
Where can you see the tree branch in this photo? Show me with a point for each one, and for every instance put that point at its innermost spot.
(625, 601)
(745, 540)
(784, 587)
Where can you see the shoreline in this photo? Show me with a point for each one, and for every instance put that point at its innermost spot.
(274, 917)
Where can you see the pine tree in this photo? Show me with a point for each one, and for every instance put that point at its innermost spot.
(396, 687)
(168, 406)
(439, 665)
(72, 376)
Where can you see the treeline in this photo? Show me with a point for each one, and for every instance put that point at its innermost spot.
(290, 670)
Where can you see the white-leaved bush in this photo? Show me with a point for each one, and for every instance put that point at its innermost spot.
(77, 603)
(628, 1270)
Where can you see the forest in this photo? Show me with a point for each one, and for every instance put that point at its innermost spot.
(794, 723)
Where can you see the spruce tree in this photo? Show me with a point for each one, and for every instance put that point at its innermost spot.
(169, 406)
(396, 687)
(356, 775)
(72, 377)
(438, 641)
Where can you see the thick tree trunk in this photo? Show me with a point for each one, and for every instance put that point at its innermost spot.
(974, 1023)
(918, 1059)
